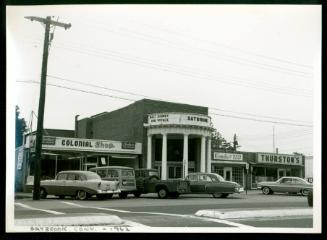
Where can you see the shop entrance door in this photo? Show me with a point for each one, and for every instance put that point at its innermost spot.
(228, 173)
(281, 173)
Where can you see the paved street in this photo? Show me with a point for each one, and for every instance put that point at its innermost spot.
(153, 212)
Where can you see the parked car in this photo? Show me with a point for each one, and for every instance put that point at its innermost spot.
(124, 175)
(212, 183)
(79, 184)
(310, 198)
(286, 185)
(148, 181)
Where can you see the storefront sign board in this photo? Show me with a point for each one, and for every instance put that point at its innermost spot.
(227, 156)
(270, 158)
(179, 118)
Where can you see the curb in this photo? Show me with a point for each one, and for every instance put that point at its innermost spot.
(213, 213)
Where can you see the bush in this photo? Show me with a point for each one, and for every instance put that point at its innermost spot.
(310, 198)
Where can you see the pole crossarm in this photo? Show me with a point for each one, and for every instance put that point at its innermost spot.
(49, 21)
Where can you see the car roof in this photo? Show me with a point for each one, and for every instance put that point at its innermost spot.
(113, 167)
(146, 169)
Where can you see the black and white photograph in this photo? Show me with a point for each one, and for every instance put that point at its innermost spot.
(163, 118)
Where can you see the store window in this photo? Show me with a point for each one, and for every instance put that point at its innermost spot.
(237, 174)
(271, 174)
(219, 170)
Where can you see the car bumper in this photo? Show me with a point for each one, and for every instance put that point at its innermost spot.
(240, 190)
(108, 191)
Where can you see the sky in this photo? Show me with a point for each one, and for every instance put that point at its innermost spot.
(256, 67)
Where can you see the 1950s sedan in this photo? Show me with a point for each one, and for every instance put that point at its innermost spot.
(79, 184)
(212, 183)
(286, 184)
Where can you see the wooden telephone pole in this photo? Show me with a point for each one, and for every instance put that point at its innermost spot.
(39, 132)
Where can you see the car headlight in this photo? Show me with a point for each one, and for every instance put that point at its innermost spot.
(124, 182)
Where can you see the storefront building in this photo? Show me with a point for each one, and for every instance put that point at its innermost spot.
(176, 138)
(272, 166)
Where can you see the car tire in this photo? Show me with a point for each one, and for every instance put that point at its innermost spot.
(109, 196)
(137, 194)
(123, 195)
(217, 195)
(224, 195)
(305, 192)
(43, 193)
(162, 193)
(174, 195)
(266, 190)
(81, 195)
(101, 196)
(310, 198)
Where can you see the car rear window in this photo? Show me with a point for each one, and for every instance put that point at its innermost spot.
(127, 173)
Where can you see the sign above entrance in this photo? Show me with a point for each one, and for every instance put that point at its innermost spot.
(271, 158)
(227, 156)
(91, 145)
(179, 119)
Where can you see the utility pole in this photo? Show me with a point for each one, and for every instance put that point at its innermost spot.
(273, 139)
(39, 132)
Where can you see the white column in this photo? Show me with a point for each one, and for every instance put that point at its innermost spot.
(185, 156)
(164, 157)
(209, 155)
(203, 154)
(149, 157)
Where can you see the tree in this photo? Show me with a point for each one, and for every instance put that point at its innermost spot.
(20, 128)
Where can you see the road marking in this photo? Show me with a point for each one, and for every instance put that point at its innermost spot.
(39, 209)
(166, 214)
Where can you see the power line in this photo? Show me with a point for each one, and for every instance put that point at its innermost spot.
(210, 53)
(150, 63)
(259, 120)
(183, 72)
(224, 45)
(140, 95)
(128, 99)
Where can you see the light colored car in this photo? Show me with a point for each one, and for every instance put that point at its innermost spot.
(212, 183)
(286, 185)
(124, 175)
(79, 184)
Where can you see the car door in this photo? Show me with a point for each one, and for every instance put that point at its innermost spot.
(217, 186)
(72, 184)
(194, 182)
(199, 184)
(59, 185)
(285, 185)
(298, 185)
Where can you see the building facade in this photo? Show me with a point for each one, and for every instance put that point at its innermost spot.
(171, 137)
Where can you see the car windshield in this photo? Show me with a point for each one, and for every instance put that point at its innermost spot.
(217, 178)
(92, 176)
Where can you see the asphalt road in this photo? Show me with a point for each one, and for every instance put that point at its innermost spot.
(151, 211)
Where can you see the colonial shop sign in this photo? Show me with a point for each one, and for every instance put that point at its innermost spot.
(95, 145)
(179, 118)
(287, 159)
(227, 156)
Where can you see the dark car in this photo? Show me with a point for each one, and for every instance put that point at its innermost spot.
(212, 183)
(286, 185)
(148, 181)
(79, 184)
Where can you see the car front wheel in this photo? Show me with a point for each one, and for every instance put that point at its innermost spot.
(162, 193)
(81, 195)
(217, 195)
(266, 190)
(304, 192)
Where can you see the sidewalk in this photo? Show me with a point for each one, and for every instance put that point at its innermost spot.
(21, 195)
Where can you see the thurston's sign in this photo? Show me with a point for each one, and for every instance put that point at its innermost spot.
(287, 159)
(178, 118)
(95, 145)
(227, 156)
